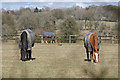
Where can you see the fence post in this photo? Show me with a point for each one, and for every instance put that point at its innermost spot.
(100, 39)
(112, 40)
(70, 39)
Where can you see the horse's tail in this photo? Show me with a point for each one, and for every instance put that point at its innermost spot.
(24, 42)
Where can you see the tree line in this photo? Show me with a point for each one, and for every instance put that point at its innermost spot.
(65, 21)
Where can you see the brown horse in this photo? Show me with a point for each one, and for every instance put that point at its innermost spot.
(91, 43)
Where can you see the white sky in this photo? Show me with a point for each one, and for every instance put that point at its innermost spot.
(59, 0)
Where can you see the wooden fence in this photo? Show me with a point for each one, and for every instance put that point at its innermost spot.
(64, 39)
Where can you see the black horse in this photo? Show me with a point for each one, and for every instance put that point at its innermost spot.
(26, 42)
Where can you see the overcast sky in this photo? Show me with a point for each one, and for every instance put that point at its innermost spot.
(17, 4)
(60, 0)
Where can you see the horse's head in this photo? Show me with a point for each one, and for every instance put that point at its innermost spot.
(96, 55)
(96, 48)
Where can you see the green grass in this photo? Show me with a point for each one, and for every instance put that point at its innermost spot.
(53, 61)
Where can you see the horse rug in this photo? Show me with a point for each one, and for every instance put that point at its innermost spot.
(87, 41)
(30, 39)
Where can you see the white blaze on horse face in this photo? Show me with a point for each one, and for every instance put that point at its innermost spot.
(96, 55)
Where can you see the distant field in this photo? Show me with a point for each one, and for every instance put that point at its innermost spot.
(53, 61)
(106, 23)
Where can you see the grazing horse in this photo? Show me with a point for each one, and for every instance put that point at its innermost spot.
(26, 42)
(49, 36)
(91, 43)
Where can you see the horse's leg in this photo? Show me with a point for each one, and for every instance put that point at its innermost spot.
(51, 41)
(45, 41)
(87, 54)
(29, 54)
(98, 58)
(23, 55)
(33, 44)
(91, 54)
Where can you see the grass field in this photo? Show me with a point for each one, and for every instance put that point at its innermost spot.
(53, 61)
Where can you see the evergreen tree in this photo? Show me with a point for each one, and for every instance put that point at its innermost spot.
(36, 10)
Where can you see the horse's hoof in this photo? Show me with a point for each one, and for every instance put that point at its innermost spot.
(92, 61)
(96, 62)
(24, 60)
